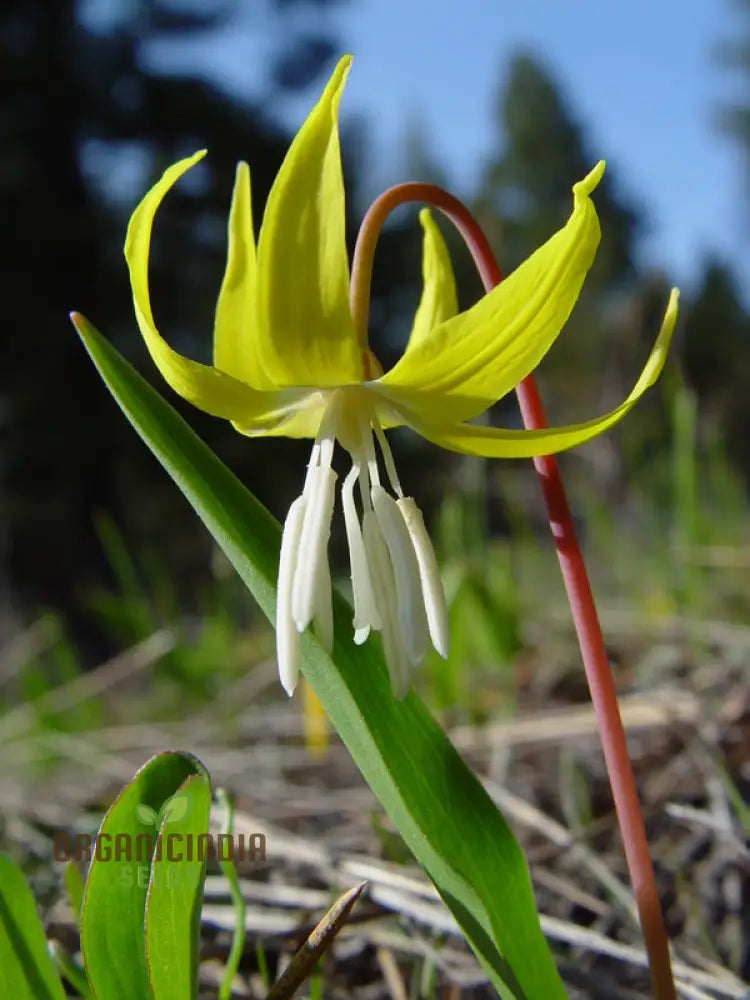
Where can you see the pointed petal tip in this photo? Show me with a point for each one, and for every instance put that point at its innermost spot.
(345, 63)
(189, 161)
(661, 347)
(590, 181)
(337, 80)
(304, 223)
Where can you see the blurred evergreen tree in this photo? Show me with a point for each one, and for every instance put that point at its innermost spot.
(543, 151)
(736, 118)
(716, 346)
(525, 196)
(88, 123)
(716, 351)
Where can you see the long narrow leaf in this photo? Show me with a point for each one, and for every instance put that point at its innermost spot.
(26, 968)
(440, 808)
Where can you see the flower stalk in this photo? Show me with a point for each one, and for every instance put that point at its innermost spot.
(572, 565)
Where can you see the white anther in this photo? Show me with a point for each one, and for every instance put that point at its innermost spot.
(316, 530)
(287, 637)
(384, 586)
(365, 609)
(432, 585)
(412, 619)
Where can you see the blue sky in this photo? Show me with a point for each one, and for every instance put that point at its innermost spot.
(642, 75)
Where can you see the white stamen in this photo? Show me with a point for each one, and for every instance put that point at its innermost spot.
(364, 486)
(370, 456)
(432, 585)
(316, 530)
(384, 586)
(365, 609)
(411, 611)
(395, 578)
(390, 465)
(287, 637)
(312, 467)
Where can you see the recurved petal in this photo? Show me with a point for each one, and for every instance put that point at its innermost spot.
(438, 301)
(208, 389)
(235, 326)
(472, 360)
(305, 332)
(493, 442)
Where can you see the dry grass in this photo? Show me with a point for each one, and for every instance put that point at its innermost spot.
(687, 710)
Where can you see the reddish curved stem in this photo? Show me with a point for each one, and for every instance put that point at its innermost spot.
(581, 599)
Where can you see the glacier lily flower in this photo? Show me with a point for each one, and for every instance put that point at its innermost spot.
(289, 361)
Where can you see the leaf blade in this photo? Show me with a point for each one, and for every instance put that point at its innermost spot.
(26, 968)
(114, 902)
(440, 808)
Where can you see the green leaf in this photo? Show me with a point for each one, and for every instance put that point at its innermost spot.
(113, 941)
(175, 893)
(26, 970)
(446, 818)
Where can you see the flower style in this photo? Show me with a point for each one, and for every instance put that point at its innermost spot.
(289, 361)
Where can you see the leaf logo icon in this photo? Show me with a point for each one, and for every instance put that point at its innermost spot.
(173, 810)
(146, 814)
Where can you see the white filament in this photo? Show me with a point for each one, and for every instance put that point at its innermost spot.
(412, 620)
(365, 608)
(384, 585)
(371, 458)
(390, 465)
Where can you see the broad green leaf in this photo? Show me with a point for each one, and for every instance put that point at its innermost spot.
(441, 810)
(175, 893)
(113, 941)
(26, 969)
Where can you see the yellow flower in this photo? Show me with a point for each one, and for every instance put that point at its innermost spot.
(288, 361)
